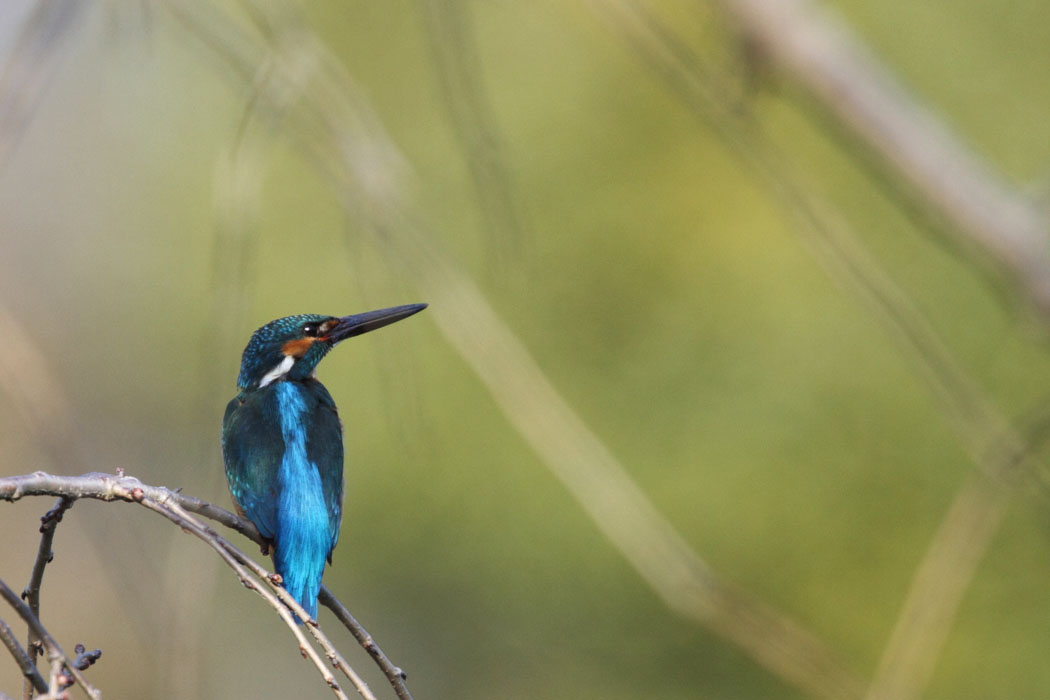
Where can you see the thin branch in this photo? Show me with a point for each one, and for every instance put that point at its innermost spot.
(395, 675)
(48, 522)
(236, 561)
(60, 662)
(331, 652)
(109, 487)
(174, 505)
(333, 655)
(26, 664)
(165, 502)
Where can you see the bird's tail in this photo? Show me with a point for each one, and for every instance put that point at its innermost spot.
(299, 558)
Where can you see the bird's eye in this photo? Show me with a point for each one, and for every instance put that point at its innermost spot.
(310, 329)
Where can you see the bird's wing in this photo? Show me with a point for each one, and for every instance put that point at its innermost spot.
(252, 449)
(325, 450)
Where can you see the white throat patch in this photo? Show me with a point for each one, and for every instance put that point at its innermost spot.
(282, 368)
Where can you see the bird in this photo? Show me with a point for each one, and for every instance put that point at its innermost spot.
(282, 443)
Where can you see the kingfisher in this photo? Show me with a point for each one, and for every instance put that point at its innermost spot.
(282, 442)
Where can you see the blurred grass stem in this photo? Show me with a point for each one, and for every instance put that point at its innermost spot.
(458, 69)
(993, 443)
(819, 52)
(42, 44)
(338, 130)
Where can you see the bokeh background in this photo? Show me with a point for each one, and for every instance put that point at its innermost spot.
(164, 192)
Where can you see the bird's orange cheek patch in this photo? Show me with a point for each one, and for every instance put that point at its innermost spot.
(297, 348)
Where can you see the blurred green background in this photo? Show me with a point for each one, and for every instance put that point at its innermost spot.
(762, 408)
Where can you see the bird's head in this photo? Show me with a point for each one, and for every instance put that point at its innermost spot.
(291, 347)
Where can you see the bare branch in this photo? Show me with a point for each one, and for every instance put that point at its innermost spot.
(236, 560)
(55, 655)
(330, 651)
(110, 487)
(176, 507)
(333, 655)
(48, 522)
(26, 664)
(395, 675)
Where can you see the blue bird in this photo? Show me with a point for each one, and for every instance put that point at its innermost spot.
(282, 442)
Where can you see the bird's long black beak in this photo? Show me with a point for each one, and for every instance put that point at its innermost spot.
(349, 326)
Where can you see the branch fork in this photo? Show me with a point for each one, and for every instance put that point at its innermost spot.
(179, 509)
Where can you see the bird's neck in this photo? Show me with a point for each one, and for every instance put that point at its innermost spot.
(307, 383)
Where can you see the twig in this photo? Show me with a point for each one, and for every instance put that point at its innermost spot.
(173, 505)
(333, 655)
(56, 656)
(395, 675)
(330, 651)
(26, 664)
(236, 560)
(48, 522)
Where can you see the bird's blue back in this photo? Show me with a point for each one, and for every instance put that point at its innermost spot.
(283, 445)
(283, 450)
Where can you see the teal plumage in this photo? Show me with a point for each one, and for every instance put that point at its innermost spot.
(283, 446)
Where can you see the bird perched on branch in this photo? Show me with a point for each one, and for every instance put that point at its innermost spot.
(282, 442)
